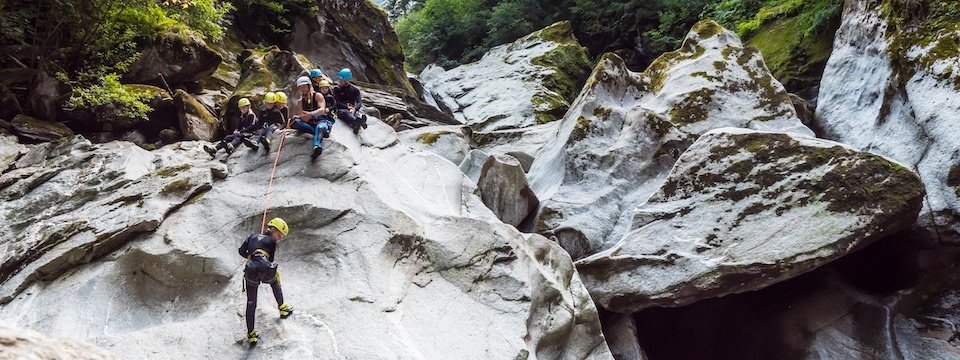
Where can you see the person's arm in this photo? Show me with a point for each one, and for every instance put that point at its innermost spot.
(251, 125)
(321, 105)
(358, 99)
(244, 252)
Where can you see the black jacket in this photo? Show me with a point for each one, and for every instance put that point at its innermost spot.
(346, 95)
(270, 117)
(258, 242)
(248, 122)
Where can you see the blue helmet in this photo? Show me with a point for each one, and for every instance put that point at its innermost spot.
(346, 74)
(315, 73)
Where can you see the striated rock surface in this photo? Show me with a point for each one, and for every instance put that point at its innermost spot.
(620, 138)
(23, 344)
(503, 188)
(68, 203)
(531, 81)
(742, 210)
(892, 86)
(391, 254)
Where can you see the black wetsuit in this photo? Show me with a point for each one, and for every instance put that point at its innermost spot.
(247, 122)
(269, 120)
(346, 96)
(259, 249)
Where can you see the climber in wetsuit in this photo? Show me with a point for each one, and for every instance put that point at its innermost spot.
(259, 250)
(247, 121)
(349, 102)
(270, 120)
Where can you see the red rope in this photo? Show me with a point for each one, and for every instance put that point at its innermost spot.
(273, 172)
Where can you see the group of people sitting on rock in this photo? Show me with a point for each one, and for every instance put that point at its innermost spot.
(316, 111)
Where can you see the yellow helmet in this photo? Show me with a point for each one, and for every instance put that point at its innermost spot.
(281, 97)
(243, 102)
(280, 225)
(324, 83)
(269, 98)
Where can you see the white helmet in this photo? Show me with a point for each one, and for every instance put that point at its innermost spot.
(303, 80)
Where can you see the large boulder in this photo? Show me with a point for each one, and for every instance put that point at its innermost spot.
(179, 56)
(742, 210)
(196, 121)
(23, 344)
(33, 129)
(891, 87)
(390, 100)
(503, 188)
(531, 81)
(356, 35)
(620, 138)
(390, 254)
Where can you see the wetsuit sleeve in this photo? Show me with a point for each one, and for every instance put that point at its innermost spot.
(244, 249)
(357, 99)
(271, 246)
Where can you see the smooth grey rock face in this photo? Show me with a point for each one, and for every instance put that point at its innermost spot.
(621, 136)
(391, 254)
(910, 113)
(25, 344)
(503, 188)
(528, 82)
(742, 210)
(10, 151)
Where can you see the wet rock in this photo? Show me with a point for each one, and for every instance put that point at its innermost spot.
(742, 210)
(503, 188)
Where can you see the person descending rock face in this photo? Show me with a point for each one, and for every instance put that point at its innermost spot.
(349, 102)
(259, 250)
(247, 121)
(309, 118)
(329, 101)
(270, 120)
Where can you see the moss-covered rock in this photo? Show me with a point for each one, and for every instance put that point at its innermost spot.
(263, 70)
(33, 129)
(626, 129)
(354, 34)
(753, 209)
(528, 82)
(180, 56)
(196, 121)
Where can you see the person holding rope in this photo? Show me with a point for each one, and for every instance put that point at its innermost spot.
(310, 118)
(259, 250)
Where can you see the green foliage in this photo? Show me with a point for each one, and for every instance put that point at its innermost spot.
(271, 20)
(111, 99)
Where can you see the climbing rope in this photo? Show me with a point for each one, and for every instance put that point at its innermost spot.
(273, 172)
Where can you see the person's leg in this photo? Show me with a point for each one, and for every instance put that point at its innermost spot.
(301, 125)
(347, 117)
(285, 309)
(251, 303)
(318, 132)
